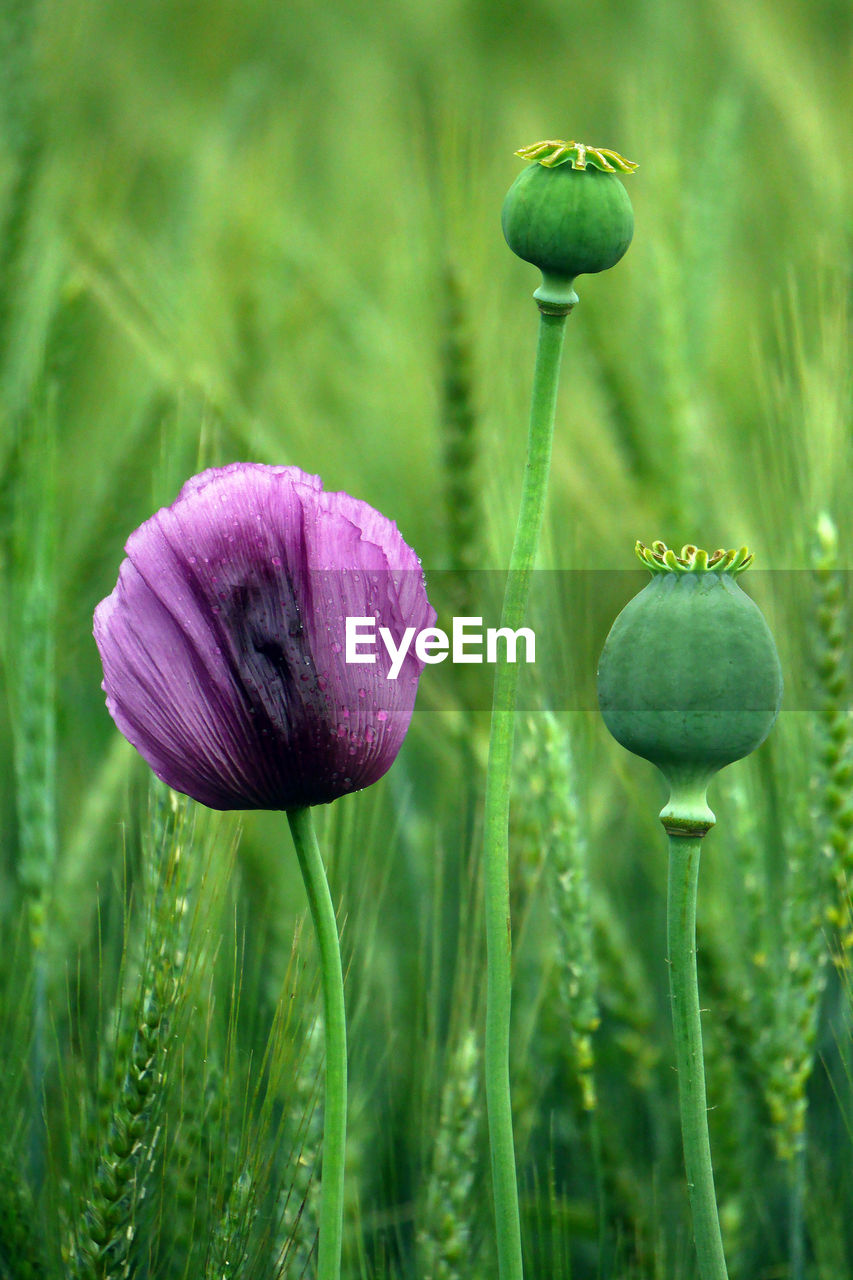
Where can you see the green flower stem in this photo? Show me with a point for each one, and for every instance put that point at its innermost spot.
(496, 853)
(334, 1016)
(684, 989)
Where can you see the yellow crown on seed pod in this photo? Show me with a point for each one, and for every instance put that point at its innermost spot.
(660, 558)
(555, 152)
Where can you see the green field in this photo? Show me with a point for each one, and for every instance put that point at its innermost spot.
(271, 232)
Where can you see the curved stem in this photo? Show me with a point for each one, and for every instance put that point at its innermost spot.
(687, 1026)
(334, 1018)
(496, 853)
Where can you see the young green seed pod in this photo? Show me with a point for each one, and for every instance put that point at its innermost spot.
(568, 214)
(689, 677)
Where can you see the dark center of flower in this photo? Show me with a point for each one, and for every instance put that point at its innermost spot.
(270, 650)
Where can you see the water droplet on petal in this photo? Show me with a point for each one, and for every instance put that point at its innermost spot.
(362, 693)
(369, 733)
(336, 648)
(342, 731)
(381, 716)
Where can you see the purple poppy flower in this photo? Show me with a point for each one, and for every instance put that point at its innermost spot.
(223, 643)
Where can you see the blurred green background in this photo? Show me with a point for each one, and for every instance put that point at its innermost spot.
(271, 231)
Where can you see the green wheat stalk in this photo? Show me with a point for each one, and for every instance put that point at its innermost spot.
(106, 1222)
(29, 658)
(22, 1255)
(229, 1251)
(443, 1242)
(570, 901)
(835, 732)
(818, 876)
(195, 1138)
(300, 1211)
(548, 829)
(816, 864)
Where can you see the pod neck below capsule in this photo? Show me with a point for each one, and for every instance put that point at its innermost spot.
(687, 812)
(556, 295)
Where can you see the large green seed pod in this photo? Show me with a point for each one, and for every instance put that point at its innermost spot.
(568, 214)
(689, 677)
